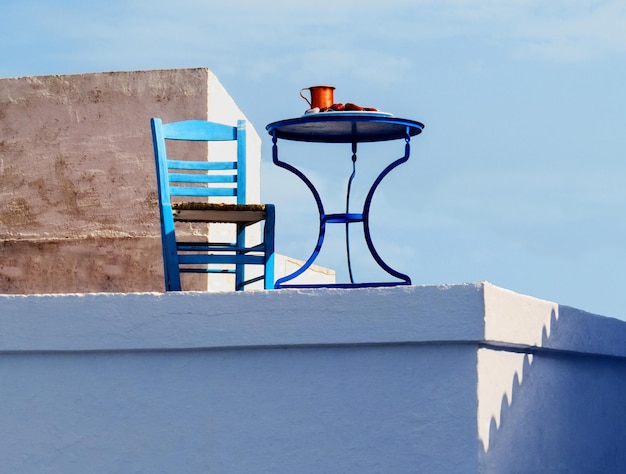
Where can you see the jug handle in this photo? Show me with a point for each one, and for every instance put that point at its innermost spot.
(307, 100)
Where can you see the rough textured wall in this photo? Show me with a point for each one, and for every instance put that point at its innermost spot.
(78, 200)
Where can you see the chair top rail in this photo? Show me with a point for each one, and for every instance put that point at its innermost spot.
(198, 130)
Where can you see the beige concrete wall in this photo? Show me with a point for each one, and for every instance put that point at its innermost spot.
(78, 201)
(315, 274)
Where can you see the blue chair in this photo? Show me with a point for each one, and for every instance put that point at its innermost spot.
(192, 183)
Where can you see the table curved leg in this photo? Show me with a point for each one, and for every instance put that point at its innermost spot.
(320, 207)
(348, 211)
(366, 214)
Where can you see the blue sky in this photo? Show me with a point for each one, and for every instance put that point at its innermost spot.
(519, 177)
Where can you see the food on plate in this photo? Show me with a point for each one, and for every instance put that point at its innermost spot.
(347, 107)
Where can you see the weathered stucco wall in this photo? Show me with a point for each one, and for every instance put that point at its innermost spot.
(402, 380)
(78, 202)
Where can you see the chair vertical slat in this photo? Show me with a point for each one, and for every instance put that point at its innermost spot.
(241, 162)
(168, 237)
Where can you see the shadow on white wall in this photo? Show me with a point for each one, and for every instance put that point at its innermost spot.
(542, 407)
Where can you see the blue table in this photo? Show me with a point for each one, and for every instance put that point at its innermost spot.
(353, 128)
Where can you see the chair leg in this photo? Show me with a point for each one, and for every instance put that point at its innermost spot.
(268, 239)
(171, 271)
(240, 277)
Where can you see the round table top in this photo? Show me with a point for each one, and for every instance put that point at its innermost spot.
(344, 127)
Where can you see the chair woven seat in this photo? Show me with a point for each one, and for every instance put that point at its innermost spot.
(218, 212)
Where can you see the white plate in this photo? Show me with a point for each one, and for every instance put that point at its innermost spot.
(349, 112)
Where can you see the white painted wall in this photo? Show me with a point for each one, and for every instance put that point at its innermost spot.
(552, 388)
(370, 380)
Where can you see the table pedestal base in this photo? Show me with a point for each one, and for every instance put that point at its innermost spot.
(346, 218)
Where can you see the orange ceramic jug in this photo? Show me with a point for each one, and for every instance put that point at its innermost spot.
(321, 96)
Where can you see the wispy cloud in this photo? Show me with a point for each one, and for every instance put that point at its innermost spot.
(364, 40)
(558, 30)
(579, 33)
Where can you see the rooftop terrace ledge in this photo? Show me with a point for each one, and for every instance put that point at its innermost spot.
(474, 313)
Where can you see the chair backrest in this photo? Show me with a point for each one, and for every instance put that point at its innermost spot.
(200, 178)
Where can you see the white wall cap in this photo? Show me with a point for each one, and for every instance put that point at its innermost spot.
(516, 320)
(479, 313)
(143, 321)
